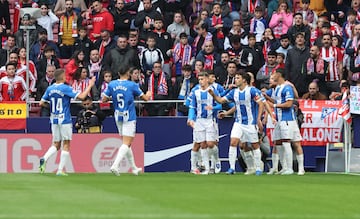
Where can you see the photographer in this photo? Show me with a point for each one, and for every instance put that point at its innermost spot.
(89, 119)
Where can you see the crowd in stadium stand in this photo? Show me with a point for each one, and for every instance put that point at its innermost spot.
(168, 42)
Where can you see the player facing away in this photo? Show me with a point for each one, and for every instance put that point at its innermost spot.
(123, 92)
(59, 96)
(248, 103)
(202, 118)
(286, 130)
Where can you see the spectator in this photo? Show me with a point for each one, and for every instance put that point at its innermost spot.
(202, 37)
(47, 20)
(282, 20)
(77, 61)
(299, 26)
(134, 43)
(10, 44)
(201, 19)
(258, 24)
(317, 6)
(95, 67)
(12, 87)
(48, 58)
(263, 75)
(5, 15)
(309, 16)
(163, 42)
(13, 57)
(68, 30)
(199, 67)
(228, 82)
(239, 55)
(317, 69)
(61, 8)
(218, 25)
(269, 42)
(354, 42)
(37, 50)
(194, 9)
(144, 20)
(182, 88)
(42, 84)
(149, 56)
(21, 70)
(178, 26)
(160, 86)
(355, 68)
(209, 56)
(349, 25)
(235, 30)
(273, 5)
(182, 54)
(105, 43)
(248, 10)
(83, 42)
(81, 81)
(20, 35)
(89, 119)
(295, 60)
(314, 93)
(122, 18)
(284, 45)
(101, 20)
(220, 70)
(107, 108)
(334, 57)
(121, 54)
(255, 57)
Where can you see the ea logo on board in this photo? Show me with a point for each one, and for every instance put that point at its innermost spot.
(104, 154)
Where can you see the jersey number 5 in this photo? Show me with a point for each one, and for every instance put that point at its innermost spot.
(120, 100)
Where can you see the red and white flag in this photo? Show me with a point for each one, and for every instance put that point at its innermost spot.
(344, 110)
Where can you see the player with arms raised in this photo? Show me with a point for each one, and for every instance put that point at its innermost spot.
(59, 96)
(123, 92)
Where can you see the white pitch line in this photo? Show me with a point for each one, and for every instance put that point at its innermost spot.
(175, 215)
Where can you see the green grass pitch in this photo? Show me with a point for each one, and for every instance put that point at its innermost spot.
(179, 195)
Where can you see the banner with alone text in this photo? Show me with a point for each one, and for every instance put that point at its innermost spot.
(89, 153)
(12, 115)
(322, 122)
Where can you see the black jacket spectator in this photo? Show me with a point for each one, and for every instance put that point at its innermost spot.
(43, 63)
(122, 21)
(5, 14)
(117, 57)
(140, 19)
(293, 30)
(85, 45)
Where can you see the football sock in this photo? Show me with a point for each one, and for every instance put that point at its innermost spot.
(120, 155)
(63, 159)
(205, 158)
(300, 160)
(288, 155)
(130, 157)
(193, 159)
(232, 156)
(257, 158)
(275, 161)
(52, 150)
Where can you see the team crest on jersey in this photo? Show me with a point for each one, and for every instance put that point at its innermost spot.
(326, 112)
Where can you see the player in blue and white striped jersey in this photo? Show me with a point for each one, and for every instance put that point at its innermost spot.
(59, 96)
(202, 118)
(248, 103)
(123, 92)
(286, 130)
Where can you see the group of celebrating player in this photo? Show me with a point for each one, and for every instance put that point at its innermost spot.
(250, 106)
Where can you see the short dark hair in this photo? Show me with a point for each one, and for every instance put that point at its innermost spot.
(203, 74)
(246, 76)
(298, 13)
(123, 69)
(272, 53)
(281, 71)
(10, 63)
(186, 68)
